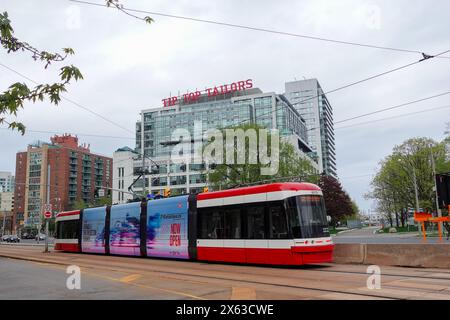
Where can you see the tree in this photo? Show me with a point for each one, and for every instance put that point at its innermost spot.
(18, 93)
(337, 201)
(393, 186)
(355, 211)
(102, 201)
(225, 175)
(78, 205)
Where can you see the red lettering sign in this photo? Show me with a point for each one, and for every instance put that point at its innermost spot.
(192, 97)
(175, 234)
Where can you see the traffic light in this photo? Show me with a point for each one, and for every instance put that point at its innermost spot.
(167, 192)
(205, 189)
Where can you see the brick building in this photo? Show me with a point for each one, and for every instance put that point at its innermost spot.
(74, 173)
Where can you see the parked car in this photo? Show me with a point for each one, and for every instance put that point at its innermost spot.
(39, 237)
(5, 237)
(13, 238)
(27, 236)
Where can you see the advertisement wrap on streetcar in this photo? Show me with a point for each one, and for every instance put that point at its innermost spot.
(277, 224)
(167, 228)
(93, 230)
(124, 234)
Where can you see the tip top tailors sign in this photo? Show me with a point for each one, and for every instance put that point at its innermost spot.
(191, 97)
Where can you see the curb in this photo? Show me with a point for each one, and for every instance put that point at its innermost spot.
(25, 245)
(3, 255)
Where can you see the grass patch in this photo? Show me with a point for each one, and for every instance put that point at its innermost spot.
(402, 229)
(333, 230)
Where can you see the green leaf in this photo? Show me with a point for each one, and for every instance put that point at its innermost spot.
(68, 51)
(148, 20)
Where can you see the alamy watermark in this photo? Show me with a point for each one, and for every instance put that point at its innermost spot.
(74, 280)
(374, 280)
(228, 146)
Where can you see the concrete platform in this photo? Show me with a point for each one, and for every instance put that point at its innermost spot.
(427, 255)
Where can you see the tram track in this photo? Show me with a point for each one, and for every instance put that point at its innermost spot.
(287, 286)
(390, 274)
(197, 277)
(231, 275)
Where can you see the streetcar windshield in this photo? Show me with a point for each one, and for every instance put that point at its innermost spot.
(307, 216)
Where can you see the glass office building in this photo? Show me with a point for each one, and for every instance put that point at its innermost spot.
(154, 133)
(310, 101)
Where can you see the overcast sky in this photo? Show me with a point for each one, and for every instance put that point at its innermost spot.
(129, 66)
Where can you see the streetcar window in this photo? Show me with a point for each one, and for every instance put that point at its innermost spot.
(278, 223)
(307, 216)
(232, 223)
(293, 217)
(211, 226)
(67, 229)
(255, 223)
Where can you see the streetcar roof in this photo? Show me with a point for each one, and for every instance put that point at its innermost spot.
(68, 213)
(264, 188)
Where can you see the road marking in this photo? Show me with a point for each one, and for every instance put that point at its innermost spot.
(241, 293)
(130, 278)
(127, 280)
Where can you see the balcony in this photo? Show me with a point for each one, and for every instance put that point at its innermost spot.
(98, 165)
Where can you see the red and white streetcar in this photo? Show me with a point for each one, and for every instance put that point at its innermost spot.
(277, 224)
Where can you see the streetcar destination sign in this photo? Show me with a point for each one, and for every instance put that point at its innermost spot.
(191, 97)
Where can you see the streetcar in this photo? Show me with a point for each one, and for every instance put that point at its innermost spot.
(276, 224)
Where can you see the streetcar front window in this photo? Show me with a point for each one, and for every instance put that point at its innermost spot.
(307, 216)
(67, 229)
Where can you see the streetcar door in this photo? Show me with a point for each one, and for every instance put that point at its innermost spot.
(256, 242)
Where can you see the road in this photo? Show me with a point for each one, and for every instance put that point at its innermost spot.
(27, 273)
(30, 242)
(366, 235)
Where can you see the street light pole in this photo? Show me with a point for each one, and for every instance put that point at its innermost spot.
(48, 202)
(416, 192)
(4, 221)
(415, 189)
(438, 210)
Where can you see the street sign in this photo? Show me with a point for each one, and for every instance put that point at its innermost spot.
(101, 192)
(47, 211)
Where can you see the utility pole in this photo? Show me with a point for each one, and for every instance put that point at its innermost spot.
(439, 212)
(143, 154)
(48, 202)
(4, 221)
(143, 176)
(417, 197)
(415, 189)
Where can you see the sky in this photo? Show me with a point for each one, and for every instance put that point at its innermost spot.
(129, 65)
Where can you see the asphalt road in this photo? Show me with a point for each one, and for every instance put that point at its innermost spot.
(32, 280)
(366, 235)
(35, 275)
